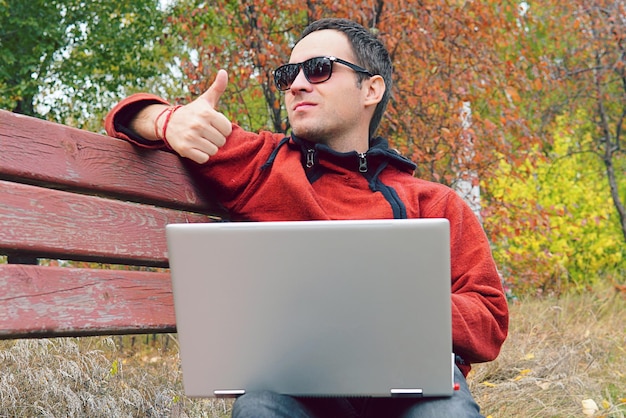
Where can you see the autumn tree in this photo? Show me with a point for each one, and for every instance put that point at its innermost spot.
(456, 106)
(592, 71)
(249, 39)
(477, 85)
(579, 243)
(546, 229)
(577, 49)
(443, 59)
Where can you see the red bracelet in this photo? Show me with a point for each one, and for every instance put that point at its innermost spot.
(156, 123)
(167, 121)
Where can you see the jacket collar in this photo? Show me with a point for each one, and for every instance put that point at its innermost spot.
(378, 154)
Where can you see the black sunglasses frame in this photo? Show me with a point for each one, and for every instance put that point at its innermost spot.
(285, 75)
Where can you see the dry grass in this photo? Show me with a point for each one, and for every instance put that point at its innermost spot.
(96, 377)
(560, 351)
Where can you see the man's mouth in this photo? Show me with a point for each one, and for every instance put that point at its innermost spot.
(303, 105)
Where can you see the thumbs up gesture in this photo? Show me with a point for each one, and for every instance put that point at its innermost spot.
(197, 130)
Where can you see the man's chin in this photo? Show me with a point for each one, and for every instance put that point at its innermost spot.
(306, 133)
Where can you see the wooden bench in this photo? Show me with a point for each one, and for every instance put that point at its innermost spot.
(68, 194)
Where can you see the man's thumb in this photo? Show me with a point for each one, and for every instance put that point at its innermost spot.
(213, 94)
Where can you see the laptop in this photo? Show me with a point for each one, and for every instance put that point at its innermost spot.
(313, 308)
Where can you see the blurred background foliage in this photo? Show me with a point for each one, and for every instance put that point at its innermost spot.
(524, 101)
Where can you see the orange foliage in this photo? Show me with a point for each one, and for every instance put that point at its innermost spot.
(445, 56)
(475, 83)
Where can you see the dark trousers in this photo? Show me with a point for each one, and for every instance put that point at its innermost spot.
(269, 404)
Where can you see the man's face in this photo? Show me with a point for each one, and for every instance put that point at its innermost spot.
(332, 112)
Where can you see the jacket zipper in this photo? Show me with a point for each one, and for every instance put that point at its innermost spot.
(310, 158)
(399, 210)
(362, 163)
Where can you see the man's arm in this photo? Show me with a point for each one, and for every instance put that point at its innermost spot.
(195, 131)
(479, 306)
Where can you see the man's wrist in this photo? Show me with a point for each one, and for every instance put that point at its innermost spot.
(148, 122)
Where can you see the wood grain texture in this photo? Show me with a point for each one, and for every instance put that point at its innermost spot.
(55, 301)
(56, 224)
(57, 156)
(74, 195)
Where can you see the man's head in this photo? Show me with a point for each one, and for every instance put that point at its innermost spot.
(336, 84)
(370, 54)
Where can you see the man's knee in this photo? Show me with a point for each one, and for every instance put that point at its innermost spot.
(460, 404)
(267, 404)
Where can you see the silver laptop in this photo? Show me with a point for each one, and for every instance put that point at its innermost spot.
(317, 308)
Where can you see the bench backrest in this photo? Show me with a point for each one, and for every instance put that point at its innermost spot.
(68, 194)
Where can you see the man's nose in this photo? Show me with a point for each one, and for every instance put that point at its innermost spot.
(300, 82)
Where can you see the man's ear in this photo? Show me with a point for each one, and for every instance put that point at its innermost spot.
(374, 89)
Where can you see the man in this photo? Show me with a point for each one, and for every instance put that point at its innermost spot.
(337, 85)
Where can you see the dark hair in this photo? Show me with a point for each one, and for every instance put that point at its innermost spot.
(370, 53)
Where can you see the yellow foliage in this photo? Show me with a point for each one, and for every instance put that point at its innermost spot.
(561, 228)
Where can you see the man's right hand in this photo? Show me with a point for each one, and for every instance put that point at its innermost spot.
(196, 130)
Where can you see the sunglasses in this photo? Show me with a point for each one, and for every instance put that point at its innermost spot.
(316, 70)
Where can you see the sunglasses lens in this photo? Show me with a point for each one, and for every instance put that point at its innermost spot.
(317, 70)
(285, 74)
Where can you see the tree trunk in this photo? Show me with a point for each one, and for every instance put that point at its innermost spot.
(619, 205)
(25, 107)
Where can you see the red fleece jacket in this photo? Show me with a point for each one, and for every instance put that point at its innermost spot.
(267, 177)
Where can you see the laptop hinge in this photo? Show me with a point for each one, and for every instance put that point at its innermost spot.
(409, 393)
(228, 393)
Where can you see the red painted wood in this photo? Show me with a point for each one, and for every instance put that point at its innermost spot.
(57, 224)
(54, 301)
(37, 151)
(75, 195)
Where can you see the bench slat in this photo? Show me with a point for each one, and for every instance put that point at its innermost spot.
(57, 224)
(58, 156)
(74, 195)
(55, 301)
